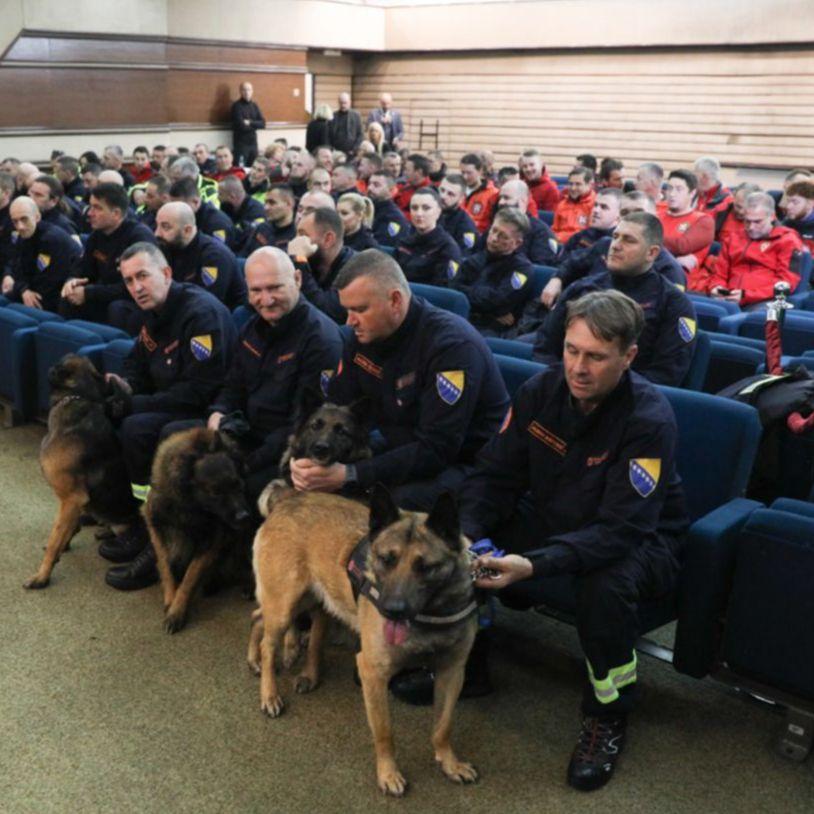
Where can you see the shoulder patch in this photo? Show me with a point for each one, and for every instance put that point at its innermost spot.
(258, 221)
(209, 275)
(686, 328)
(452, 269)
(43, 261)
(220, 234)
(477, 208)
(644, 475)
(518, 280)
(469, 239)
(553, 245)
(450, 385)
(393, 228)
(324, 380)
(201, 347)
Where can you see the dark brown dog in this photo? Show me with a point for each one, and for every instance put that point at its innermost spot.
(81, 458)
(420, 570)
(196, 514)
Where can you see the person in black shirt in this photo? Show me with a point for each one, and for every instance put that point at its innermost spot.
(48, 194)
(345, 128)
(113, 159)
(156, 194)
(279, 228)
(389, 222)
(256, 183)
(318, 131)
(208, 218)
(68, 174)
(7, 190)
(356, 212)
(454, 218)
(246, 212)
(246, 121)
(204, 159)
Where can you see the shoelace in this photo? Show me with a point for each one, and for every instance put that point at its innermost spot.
(594, 737)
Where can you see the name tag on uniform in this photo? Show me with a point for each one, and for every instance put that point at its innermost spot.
(538, 431)
(369, 367)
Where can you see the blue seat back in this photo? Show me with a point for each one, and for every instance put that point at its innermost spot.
(546, 217)
(3, 301)
(114, 353)
(37, 314)
(107, 332)
(17, 376)
(241, 315)
(510, 347)
(729, 307)
(797, 333)
(801, 263)
(516, 372)
(446, 298)
(708, 313)
(729, 363)
(540, 277)
(697, 374)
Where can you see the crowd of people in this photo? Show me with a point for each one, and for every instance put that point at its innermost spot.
(575, 476)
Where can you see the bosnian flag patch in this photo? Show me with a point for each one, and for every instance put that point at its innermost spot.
(209, 274)
(469, 239)
(393, 228)
(450, 385)
(201, 347)
(324, 380)
(644, 475)
(43, 261)
(686, 328)
(518, 280)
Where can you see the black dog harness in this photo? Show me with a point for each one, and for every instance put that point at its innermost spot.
(367, 588)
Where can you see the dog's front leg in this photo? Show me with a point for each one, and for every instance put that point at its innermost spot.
(65, 525)
(168, 586)
(176, 616)
(374, 687)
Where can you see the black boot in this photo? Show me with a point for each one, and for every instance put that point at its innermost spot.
(125, 547)
(594, 758)
(141, 573)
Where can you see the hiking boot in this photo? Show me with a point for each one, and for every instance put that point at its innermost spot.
(594, 758)
(125, 547)
(141, 573)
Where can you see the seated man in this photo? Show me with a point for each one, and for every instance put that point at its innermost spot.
(391, 165)
(142, 169)
(573, 212)
(48, 194)
(67, 172)
(45, 257)
(256, 183)
(800, 211)
(649, 180)
(713, 197)
(436, 394)
(748, 266)
(343, 179)
(611, 174)
(113, 159)
(205, 162)
(279, 228)
(99, 283)
(319, 253)
(389, 222)
(301, 164)
(481, 193)
(225, 165)
(498, 281)
(734, 214)
(185, 167)
(156, 194)
(319, 180)
(7, 190)
(177, 365)
(287, 348)
(369, 163)
(543, 190)
(427, 254)
(417, 170)
(454, 218)
(246, 212)
(666, 343)
(208, 218)
(540, 244)
(581, 481)
(312, 201)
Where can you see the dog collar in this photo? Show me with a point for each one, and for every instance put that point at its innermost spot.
(69, 397)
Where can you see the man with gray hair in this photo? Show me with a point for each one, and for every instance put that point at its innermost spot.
(186, 167)
(540, 244)
(751, 263)
(113, 159)
(581, 481)
(390, 120)
(649, 179)
(712, 196)
(346, 127)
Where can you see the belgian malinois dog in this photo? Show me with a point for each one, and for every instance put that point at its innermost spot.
(196, 514)
(418, 573)
(81, 458)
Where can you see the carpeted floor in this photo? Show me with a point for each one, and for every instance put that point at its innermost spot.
(100, 711)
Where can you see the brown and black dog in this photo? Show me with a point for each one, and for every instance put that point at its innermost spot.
(419, 569)
(81, 457)
(196, 514)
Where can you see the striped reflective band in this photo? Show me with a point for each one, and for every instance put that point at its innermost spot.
(140, 491)
(607, 689)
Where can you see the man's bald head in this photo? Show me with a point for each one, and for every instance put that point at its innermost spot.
(273, 283)
(175, 224)
(515, 195)
(111, 177)
(312, 201)
(26, 173)
(25, 215)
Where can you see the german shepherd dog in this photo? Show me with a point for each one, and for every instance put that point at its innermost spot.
(81, 458)
(420, 569)
(196, 514)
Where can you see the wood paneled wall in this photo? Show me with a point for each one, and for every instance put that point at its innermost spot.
(752, 108)
(332, 76)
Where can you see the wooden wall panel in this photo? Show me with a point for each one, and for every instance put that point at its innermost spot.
(748, 108)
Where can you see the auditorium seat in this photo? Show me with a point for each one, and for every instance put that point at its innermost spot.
(729, 307)
(114, 353)
(510, 347)
(391, 250)
(446, 298)
(696, 375)
(516, 371)
(3, 301)
(709, 313)
(540, 278)
(546, 217)
(729, 363)
(241, 315)
(797, 332)
(804, 263)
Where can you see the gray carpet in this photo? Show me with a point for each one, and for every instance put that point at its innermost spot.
(100, 711)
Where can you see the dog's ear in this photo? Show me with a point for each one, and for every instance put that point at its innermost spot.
(383, 510)
(445, 520)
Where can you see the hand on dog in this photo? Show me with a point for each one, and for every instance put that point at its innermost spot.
(508, 569)
(308, 476)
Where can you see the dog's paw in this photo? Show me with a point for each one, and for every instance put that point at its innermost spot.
(304, 683)
(458, 771)
(273, 707)
(36, 582)
(174, 621)
(254, 666)
(391, 782)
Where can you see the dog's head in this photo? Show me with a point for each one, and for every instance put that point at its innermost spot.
(76, 376)
(331, 434)
(412, 555)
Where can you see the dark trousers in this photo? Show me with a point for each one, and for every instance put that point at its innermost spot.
(420, 495)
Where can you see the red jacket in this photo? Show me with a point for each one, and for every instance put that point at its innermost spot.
(691, 233)
(238, 172)
(404, 194)
(754, 266)
(571, 217)
(544, 192)
(142, 176)
(481, 205)
(714, 200)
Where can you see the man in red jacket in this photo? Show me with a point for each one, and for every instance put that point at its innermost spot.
(573, 213)
(713, 197)
(543, 190)
(417, 170)
(750, 264)
(481, 193)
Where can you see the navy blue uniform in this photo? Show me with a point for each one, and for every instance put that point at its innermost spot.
(580, 254)
(432, 258)
(667, 340)
(596, 496)
(6, 240)
(77, 192)
(321, 291)
(248, 215)
(495, 285)
(436, 396)
(389, 223)
(43, 263)
(57, 218)
(149, 218)
(273, 366)
(361, 239)
(210, 264)
(541, 245)
(211, 221)
(178, 363)
(460, 226)
(267, 234)
(665, 264)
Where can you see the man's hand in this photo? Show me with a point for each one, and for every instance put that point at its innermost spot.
(214, 421)
(301, 246)
(308, 476)
(118, 380)
(552, 290)
(247, 122)
(74, 290)
(32, 299)
(509, 569)
(506, 319)
(8, 284)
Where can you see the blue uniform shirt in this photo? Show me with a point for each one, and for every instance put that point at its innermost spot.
(461, 228)
(389, 223)
(432, 258)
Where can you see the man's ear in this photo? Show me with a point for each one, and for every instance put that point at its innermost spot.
(383, 510)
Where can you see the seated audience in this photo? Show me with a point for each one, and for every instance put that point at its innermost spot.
(279, 228)
(375, 137)
(369, 163)
(343, 179)
(302, 164)
(573, 212)
(611, 174)
(389, 222)
(206, 163)
(312, 201)
(391, 164)
(7, 189)
(713, 197)
(142, 169)
(113, 159)
(319, 180)
(156, 194)
(481, 193)
(185, 167)
(208, 218)
(356, 212)
(48, 194)
(324, 157)
(244, 211)
(225, 165)
(800, 211)
(792, 177)
(454, 218)
(540, 244)
(649, 180)
(256, 183)
(733, 220)
(416, 176)
(587, 160)
(543, 190)
(68, 174)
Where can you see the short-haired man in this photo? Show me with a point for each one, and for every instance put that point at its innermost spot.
(540, 244)
(45, 257)
(324, 157)
(368, 164)
(343, 179)
(156, 194)
(749, 265)
(113, 159)
(180, 359)
(319, 180)
(225, 166)
(543, 190)
(735, 212)
(287, 351)
(208, 218)
(800, 211)
(454, 218)
(245, 212)
(195, 257)
(667, 341)
(649, 180)
(573, 212)
(312, 201)
(581, 480)
(205, 162)
(319, 253)
(611, 174)
(279, 228)
(792, 177)
(68, 174)
(416, 176)
(47, 193)
(256, 183)
(389, 222)
(391, 164)
(185, 167)
(142, 169)
(498, 280)
(346, 126)
(712, 196)
(390, 120)
(434, 389)
(247, 119)
(302, 164)
(481, 193)
(99, 283)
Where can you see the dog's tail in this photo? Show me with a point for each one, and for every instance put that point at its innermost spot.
(270, 495)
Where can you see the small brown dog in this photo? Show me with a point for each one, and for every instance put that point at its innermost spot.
(417, 572)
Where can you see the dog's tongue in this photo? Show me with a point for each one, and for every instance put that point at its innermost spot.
(395, 633)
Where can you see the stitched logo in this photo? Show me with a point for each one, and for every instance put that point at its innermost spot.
(644, 475)
(450, 385)
(201, 347)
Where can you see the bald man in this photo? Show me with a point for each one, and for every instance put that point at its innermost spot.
(111, 177)
(26, 173)
(346, 127)
(246, 121)
(540, 244)
(312, 201)
(389, 119)
(46, 256)
(198, 258)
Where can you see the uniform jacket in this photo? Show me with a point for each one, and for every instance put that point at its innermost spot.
(603, 485)
(541, 245)
(245, 135)
(363, 238)
(389, 223)
(665, 264)
(267, 234)
(273, 365)
(715, 202)
(481, 204)
(245, 217)
(580, 253)
(76, 191)
(211, 221)
(432, 258)
(182, 353)
(461, 228)
(544, 192)
(321, 292)
(667, 340)
(571, 217)
(804, 228)
(57, 218)
(435, 390)
(7, 249)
